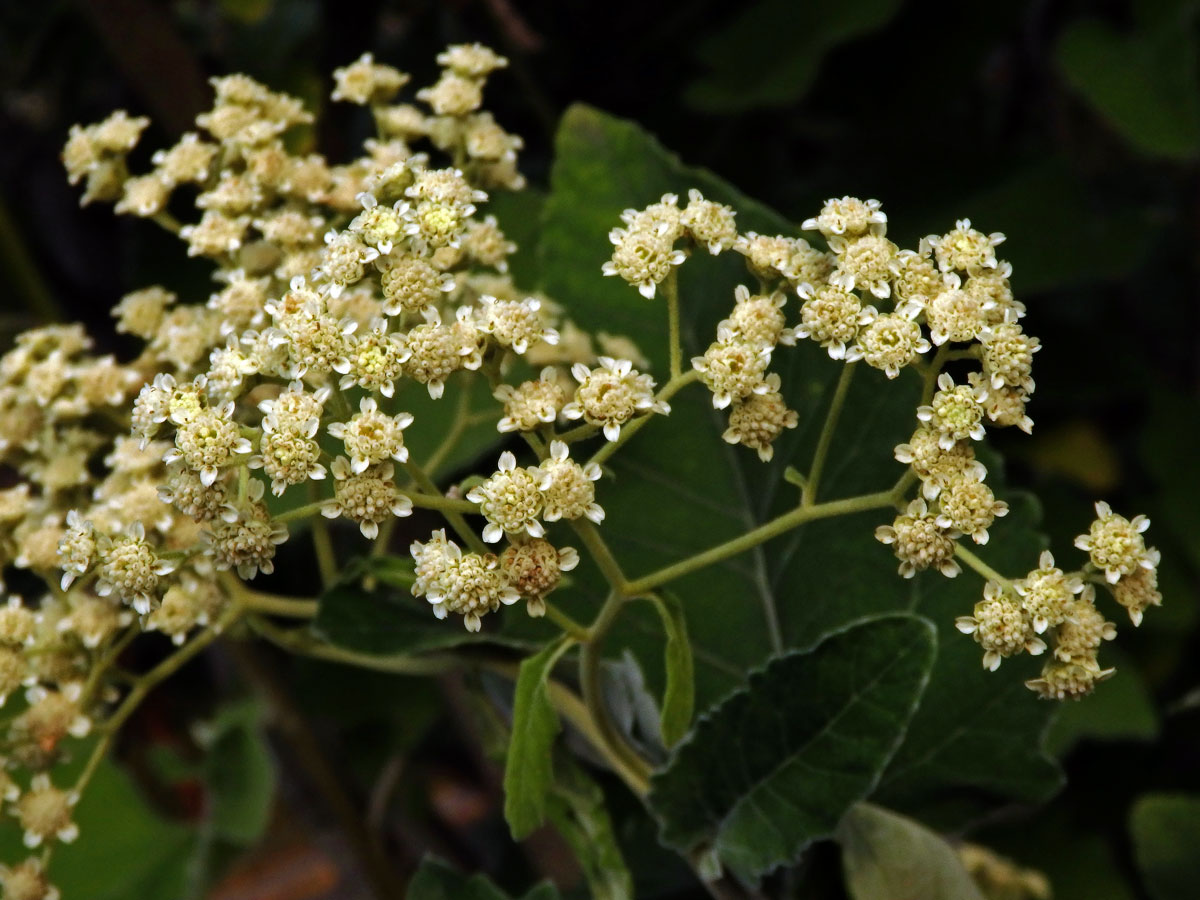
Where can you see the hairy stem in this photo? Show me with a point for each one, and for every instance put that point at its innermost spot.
(808, 495)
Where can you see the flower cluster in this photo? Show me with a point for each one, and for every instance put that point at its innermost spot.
(138, 488)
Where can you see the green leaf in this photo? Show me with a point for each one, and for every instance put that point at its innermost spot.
(774, 767)
(1120, 709)
(679, 697)
(979, 744)
(578, 812)
(890, 857)
(122, 842)
(529, 766)
(239, 772)
(768, 54)
(1166, 844)
(1143, 83)
(435, 880)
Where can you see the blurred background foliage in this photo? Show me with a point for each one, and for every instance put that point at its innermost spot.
(1073, 127)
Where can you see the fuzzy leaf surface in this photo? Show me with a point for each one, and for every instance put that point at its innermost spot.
(774, 767)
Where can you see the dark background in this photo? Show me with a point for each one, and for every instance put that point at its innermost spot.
(1072, 127)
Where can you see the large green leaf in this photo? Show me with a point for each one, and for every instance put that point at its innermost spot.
(677, 489)
(1166, 842)
(1143, 83)
(774, 767)
(890, 857)
(529, 764)
(769, 53)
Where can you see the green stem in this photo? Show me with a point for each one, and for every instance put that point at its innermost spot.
(809, 495)
(566, 623)
(578, 433)
(751, 539)
(301, 512)
(629, 429)
(322, 542)
(931, 374)
(268, 604)
(104, 664)
(301, 642)
(979, 565)
(595, 544)
(671, 289)
(143, 686)
(457, 522)
(462, 417)
(443, 504)
(591, 684)
(166, 221)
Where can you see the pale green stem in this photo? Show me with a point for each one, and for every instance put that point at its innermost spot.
(931, 374)
(303, 643)
(462, 417)
(111, 655)
(457, 522)
(323, 543)
(671, 289)
(301, 512)
(144, 685)
(809, 494)
(270, 604)
(166, 221)
(590, 682)
(603, 557)
(442, 504)
(629, 429)
(578, 433)
(979, 565)
(751, 539)
(566, 623)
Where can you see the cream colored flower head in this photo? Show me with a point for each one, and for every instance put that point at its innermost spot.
(371, 436)
(848, 216)
(733, 368)
(568, 489)
(510, 500)
(611, 394)
(369, 497)
(1115, 544)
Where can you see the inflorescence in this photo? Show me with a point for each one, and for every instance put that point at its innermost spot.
(144, 485)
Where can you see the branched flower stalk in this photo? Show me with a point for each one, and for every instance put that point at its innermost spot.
(341, 289)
